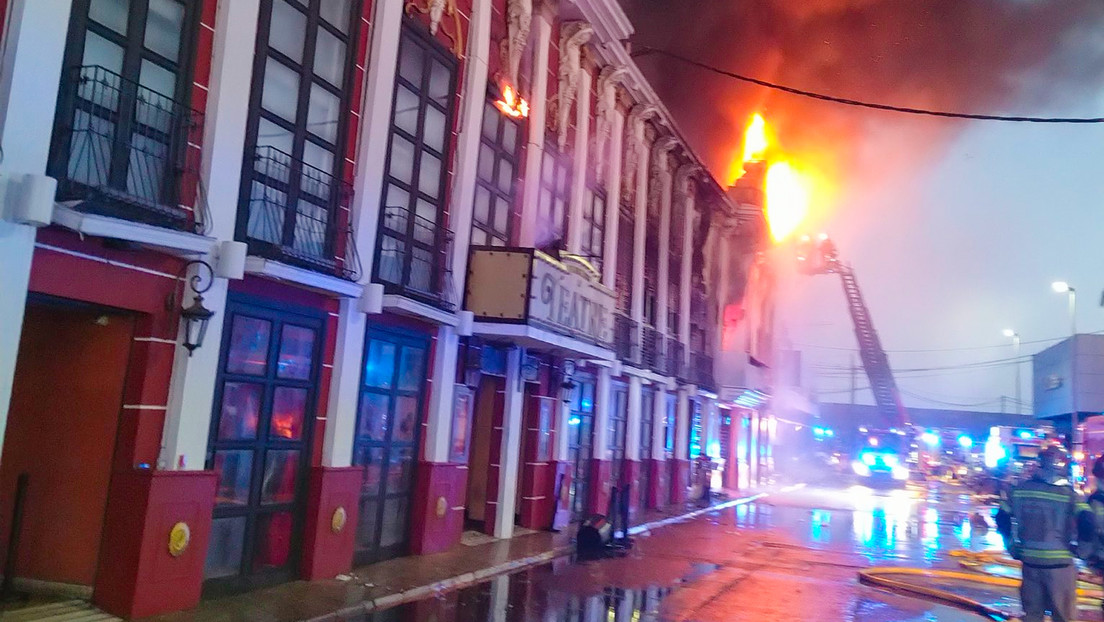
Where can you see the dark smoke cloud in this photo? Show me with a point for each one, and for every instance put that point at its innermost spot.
(1011, 56)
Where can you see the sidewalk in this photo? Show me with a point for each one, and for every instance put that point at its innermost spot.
(406, 579)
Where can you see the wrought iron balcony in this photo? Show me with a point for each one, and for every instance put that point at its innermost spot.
(292, 215)
(413, 258)
(676, 363)
(701, 370)
(652, 355)
(122, 150)
(625, 338)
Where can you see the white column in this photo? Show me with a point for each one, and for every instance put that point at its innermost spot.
(188, 414)
(603, 402)
(34, 49)
(383, 54)
(538, 109)
(632, 427)
(613, 201)
(341, 411)
(687, 269)
(439, 428)
(579, 170)
(682, 425)
(640, 225)
(510, 450)
(664, 245)
(659, 423)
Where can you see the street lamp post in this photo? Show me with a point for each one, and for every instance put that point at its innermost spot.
(1062, 287)
(1008, 332)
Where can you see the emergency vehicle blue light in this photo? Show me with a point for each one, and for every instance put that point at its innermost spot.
(965, 441)
(1026, 434)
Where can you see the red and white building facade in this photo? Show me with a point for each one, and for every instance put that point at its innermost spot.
(462, 266)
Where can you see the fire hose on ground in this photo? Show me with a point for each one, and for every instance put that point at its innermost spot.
(1089, 592)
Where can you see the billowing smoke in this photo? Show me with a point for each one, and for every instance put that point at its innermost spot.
(991, 56)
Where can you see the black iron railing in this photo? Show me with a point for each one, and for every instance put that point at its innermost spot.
(126, 151)
(625, 338)
(293, 215)
(415, 258)
(676, 353)
(651, 350)
(701, 367)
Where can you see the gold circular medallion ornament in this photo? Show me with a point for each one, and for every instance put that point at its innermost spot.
(180, 536)
(442, 507)
(337, 521)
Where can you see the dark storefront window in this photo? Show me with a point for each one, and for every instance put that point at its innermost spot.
(670, 426)
(495, 184)
(120, 143)
(259, 445)
(618, 422)
(386, 441)
(695, 448)
(580, 442)
(292, 185)
(411, 251)
(647, 427)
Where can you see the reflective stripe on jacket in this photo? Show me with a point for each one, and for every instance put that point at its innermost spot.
(1044, 522)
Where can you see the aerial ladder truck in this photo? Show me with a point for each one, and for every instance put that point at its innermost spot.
(884, 447)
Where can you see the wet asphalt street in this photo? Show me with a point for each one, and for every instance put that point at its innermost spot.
(790, 556)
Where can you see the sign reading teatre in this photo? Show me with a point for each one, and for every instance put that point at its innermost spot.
(566, 301)
(526, 286)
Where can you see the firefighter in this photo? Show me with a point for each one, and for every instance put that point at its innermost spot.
(1096, 503)
(1040, 521)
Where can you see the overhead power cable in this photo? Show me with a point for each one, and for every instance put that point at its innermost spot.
(643, 51)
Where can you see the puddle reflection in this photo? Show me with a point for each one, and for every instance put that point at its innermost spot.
(523, 596)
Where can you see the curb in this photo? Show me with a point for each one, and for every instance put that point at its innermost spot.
(479, 576)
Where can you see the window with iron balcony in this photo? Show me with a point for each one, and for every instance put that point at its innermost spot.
(294, 200)
(125, 141)
(412, 252)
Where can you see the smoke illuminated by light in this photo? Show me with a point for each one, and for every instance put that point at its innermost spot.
(787, 198)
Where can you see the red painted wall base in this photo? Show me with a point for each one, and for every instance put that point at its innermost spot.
(659, 489)
(437, 519)
(600, 486)
(137, 575)
(328, 542)
(680, 480)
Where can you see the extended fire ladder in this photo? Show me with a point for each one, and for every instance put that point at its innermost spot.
(824, 259)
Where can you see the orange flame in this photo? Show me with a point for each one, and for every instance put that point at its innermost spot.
(755, 139)
(511, 104)
(788, 195)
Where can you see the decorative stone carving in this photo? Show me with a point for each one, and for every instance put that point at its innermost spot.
(519, 19)
(572, 37)
(684, 180)
(634, 148)
(607, 108)
(660, 166)
(437, 9)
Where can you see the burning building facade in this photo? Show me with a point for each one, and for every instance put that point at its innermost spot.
(292, 286)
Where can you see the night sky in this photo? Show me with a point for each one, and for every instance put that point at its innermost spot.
(955, 228)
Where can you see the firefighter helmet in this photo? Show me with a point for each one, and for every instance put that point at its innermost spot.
(1098, 467)
(1055, 460)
